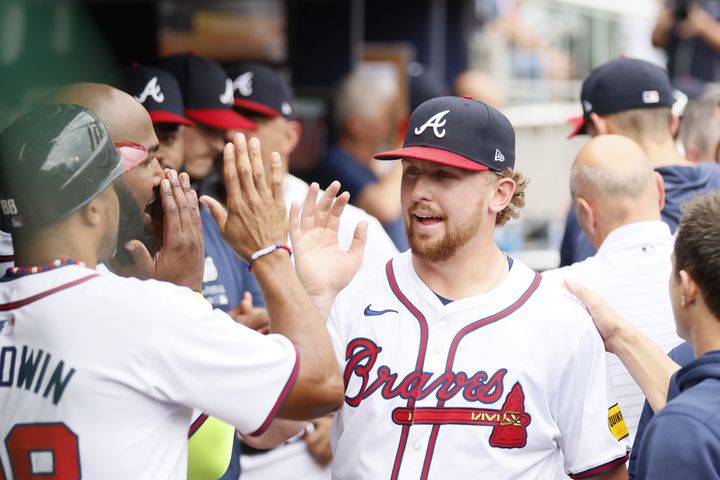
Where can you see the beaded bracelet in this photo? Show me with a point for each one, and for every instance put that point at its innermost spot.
(266, 251)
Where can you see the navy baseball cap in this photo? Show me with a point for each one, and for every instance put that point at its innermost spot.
(459, 132)
(623, 84)
(157, 90)
(259, 89)
(206, 91)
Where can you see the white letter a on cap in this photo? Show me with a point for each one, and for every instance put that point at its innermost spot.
(436, 122)
(152, 89)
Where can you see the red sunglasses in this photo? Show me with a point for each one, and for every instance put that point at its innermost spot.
(133, 154)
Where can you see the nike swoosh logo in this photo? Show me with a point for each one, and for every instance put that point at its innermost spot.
(369, 312)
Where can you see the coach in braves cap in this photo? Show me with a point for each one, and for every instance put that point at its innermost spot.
(459, 132)
(207, 93)
(619, 85)
(159, 93)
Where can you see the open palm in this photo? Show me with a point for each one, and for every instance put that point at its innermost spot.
(323, 266)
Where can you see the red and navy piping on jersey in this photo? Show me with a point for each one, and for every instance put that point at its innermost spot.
(199, 421)
(601, 469)
(451, 356)
(281, 398)
(38, 296)
(516, 305)
(422, 349)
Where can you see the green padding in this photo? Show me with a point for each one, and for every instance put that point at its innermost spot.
(210, 450)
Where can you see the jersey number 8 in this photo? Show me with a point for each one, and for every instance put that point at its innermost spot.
(42, 450)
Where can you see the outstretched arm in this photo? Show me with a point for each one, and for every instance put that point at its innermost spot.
(645, 361)
(255, 219)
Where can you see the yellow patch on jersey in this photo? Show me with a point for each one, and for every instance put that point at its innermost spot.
(616, 422)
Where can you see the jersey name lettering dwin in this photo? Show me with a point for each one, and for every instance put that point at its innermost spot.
(509, 423)
(34, 369)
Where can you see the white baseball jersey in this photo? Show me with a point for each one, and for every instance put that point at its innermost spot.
(379, 247)
(630, 271)
(7, 257)
(99, 374)
(510, 384)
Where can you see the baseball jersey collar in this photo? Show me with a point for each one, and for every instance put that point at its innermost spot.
(635, 234)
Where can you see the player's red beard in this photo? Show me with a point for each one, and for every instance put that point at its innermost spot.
(456, 235)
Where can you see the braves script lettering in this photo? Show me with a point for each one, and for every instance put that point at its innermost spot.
(509, 423)
(437, 122)
(152, 89)
(362, 354)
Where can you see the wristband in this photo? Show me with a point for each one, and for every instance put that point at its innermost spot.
(266, 251)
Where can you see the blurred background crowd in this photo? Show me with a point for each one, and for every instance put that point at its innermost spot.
(526, 57)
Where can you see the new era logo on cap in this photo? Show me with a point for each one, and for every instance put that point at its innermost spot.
(459, 132)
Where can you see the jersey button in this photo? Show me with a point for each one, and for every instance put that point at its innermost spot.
(417, 445)
(442, 325)
(438, 349)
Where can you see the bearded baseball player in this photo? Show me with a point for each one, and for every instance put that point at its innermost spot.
(99, 374)
(459, 361)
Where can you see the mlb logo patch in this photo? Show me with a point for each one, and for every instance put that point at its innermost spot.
(651, 96)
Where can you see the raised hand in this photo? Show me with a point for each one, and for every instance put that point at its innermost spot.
(181, 259)
(255, 217)
(323, 266)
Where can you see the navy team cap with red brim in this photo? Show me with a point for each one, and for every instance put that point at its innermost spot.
(619, 85)
(261, 90)
(207, 91)
(458, 132)
(157, 90)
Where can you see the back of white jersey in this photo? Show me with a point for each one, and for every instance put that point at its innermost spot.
(99, 374)
(510, 384)
(630, 271)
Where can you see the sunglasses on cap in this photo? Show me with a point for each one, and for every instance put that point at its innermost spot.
(132, 154)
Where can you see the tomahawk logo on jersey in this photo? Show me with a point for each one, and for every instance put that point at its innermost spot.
(510, 384)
